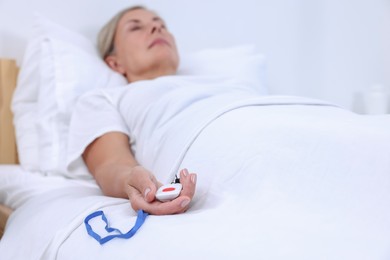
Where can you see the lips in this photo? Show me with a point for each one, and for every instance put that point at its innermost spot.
(158, 41)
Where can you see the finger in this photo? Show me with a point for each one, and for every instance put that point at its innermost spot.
(179, 205)
(144, 182)
(135, 198)
(189, 183)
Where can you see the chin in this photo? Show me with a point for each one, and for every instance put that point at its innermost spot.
(170, 61)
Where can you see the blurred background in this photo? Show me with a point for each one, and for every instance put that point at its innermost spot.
(335, 50)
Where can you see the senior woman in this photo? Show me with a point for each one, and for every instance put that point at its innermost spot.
(137, 44)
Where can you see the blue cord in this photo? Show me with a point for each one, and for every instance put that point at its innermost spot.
(141, 217)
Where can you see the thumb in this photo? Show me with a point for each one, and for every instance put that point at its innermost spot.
(144, 182)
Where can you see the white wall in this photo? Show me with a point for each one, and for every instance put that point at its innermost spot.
(354, 47)
(327, 49)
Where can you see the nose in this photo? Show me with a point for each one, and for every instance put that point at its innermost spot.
(156, 27)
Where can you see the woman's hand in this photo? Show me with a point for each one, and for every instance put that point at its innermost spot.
(111, 162)
(141, 188)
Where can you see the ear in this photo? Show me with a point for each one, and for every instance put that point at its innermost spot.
(114, 64)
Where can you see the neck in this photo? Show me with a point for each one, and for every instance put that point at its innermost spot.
(150, 74)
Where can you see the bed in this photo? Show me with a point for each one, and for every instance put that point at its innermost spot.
(305, 180)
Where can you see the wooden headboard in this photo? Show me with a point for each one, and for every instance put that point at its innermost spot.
(8, 75)
(8, 151)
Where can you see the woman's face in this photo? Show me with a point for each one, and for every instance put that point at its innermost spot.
(144, 48)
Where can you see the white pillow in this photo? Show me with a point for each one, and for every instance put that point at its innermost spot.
(60, 65)
(25, 103)
(242, 62)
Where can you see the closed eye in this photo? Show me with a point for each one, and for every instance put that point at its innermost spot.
(135, 28)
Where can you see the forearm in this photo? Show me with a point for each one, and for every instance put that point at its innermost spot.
(110, 161)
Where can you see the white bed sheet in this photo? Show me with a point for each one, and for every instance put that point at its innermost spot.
(313, 182)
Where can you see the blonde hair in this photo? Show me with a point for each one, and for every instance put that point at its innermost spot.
(106, 35)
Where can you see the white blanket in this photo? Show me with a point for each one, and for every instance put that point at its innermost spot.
(282, 178)
(162, 117)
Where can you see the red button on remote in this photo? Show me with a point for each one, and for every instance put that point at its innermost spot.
(168, 189)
